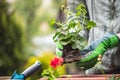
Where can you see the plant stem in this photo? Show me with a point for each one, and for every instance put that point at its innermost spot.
(53, 77)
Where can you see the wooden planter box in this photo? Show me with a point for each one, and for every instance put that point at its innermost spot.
(4, 77)
(85, 77)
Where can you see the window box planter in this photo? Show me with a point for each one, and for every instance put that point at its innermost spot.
(85, 77)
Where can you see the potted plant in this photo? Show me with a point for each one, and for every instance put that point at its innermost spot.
(67, 37)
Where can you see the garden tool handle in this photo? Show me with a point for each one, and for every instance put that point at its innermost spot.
(32, 69)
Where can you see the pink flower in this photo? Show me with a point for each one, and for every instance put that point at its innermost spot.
(57, 61)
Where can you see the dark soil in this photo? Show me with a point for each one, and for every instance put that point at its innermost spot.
(70, 55)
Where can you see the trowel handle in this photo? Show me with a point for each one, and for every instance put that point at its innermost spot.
(32, 69)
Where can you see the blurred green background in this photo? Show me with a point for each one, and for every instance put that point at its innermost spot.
(25, 34)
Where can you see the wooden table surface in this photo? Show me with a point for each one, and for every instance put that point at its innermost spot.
(86, 77)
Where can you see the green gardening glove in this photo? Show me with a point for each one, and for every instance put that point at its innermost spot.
(98, 47)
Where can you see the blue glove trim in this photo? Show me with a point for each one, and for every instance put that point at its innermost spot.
(95, 43)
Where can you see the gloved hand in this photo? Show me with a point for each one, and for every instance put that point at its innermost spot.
(96, 48)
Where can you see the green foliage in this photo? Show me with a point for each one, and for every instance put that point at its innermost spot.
(49, 74)
(17, 23)
(68, 33)
(12, 40)
(90, 24)
(28, 9)
(52, 22)
(52, 74)
(58, 52)
(58, 45)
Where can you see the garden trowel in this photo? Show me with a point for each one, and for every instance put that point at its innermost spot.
(28, 72)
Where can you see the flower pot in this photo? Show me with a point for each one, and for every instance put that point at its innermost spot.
(85, 77)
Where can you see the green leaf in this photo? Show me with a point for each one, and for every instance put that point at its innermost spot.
(58, 52)
(90, 24)
(59, 45)
(72, 24)
(78, 13)
(79, 43)
(65, 39)
(55, 36)
(81, 10)
(65, 27)
(66, 43)
(52, 22)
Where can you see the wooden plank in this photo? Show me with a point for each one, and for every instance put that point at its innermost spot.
(4, 77)
(86, 77)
